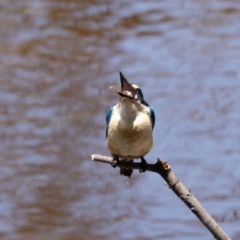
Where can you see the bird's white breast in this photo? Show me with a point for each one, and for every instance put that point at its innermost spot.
(130, 130)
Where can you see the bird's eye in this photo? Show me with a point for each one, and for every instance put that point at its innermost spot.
(139, 93)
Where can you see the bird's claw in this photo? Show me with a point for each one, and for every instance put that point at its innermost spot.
(115, 161)
(143, 165)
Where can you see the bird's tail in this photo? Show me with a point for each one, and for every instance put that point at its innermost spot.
(125, 171)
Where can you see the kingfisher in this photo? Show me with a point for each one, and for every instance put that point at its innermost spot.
(130, 125)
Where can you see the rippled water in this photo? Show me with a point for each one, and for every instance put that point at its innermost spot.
(57, 61)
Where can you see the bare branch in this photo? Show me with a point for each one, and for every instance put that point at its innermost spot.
(163, 168)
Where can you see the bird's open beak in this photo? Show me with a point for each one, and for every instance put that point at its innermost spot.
(126, 89)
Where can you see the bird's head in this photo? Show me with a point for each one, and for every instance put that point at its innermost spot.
(129, 91)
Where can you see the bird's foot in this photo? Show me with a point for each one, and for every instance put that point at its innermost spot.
(143, 165)
(115, 161)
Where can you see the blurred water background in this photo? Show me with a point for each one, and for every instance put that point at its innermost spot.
(57, 61)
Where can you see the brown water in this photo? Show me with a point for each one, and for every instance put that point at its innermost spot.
(57, 61)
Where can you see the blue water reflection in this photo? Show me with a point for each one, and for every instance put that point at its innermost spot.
(57, 62)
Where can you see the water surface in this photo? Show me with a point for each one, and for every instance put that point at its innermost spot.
(57, 61)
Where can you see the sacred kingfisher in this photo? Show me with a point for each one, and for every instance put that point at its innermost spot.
(129, 126)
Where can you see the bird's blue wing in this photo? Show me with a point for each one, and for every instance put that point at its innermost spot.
(108, 115)
(108, 118)
(152, 116)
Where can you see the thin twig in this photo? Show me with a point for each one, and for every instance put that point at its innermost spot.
(163, 168)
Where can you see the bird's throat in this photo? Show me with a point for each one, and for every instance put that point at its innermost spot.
(128, 110)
